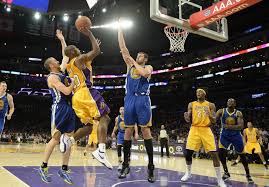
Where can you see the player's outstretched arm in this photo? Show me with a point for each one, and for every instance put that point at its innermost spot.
(113, 135)
(11, 106)
(124, 51)
(187, 115)
(65, 59)
(88, 57)
(54, 82)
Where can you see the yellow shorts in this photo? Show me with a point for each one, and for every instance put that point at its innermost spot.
(85, 106)
(93, 139)
(250, 146)
(199, 136)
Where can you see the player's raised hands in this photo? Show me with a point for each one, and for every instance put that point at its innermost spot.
(98, 42)
(59, 34)
(85, 30)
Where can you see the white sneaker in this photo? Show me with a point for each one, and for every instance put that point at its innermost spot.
(101, 157)
(186, 177)
(65, 143)
(221, 183)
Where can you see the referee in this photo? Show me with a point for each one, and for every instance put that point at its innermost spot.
(164, 141)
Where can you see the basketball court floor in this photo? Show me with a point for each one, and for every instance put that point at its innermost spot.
(19, 163)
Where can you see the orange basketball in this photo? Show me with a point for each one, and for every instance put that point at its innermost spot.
(82, 22)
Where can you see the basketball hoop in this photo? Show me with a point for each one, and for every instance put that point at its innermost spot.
(177, 37)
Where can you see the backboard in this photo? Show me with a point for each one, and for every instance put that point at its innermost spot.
(202, 17)
(178, 12)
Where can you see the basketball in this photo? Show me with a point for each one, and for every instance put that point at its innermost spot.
(82, 22)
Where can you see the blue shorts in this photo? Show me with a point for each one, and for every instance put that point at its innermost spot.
(137, 110)
(2, 123)
(120, 138)
(63, 118)
(235, 140)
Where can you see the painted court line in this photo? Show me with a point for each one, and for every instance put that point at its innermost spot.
(26, 185)
(125, 182)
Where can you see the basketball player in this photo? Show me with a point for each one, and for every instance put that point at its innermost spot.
(6, 100)
(201, 114)
(252, 143)
(92, 138)
(87, 102)
(232, 123)
(120, 126)
(62, 118)
(137, 106)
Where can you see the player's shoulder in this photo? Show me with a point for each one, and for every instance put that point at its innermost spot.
(221, 110)
(192, 103)
(8, 95)
(71, 62)
(52, 76)
(239, 113)
(211, 104)
(149, 66)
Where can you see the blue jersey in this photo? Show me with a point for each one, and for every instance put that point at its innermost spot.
(136, 84)
(62, 114)
(57, 96)
(229, 119)
(3, 106)
(137, 104)
(121, 125)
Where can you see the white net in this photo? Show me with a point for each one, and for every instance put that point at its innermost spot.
(177, 38)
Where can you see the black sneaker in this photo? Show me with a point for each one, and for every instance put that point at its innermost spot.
(265, 165)
(226, 176)
(151, 177)
(249, 179)
(234, 164)
(124, 171)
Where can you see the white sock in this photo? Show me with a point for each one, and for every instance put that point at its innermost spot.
(218, 174)
(264, 163)
(72, 140)
(237, 161)
(188, 169)
(102, 147)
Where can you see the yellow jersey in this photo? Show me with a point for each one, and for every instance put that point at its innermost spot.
(82, 78)
(199, 116)
(251, 135)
